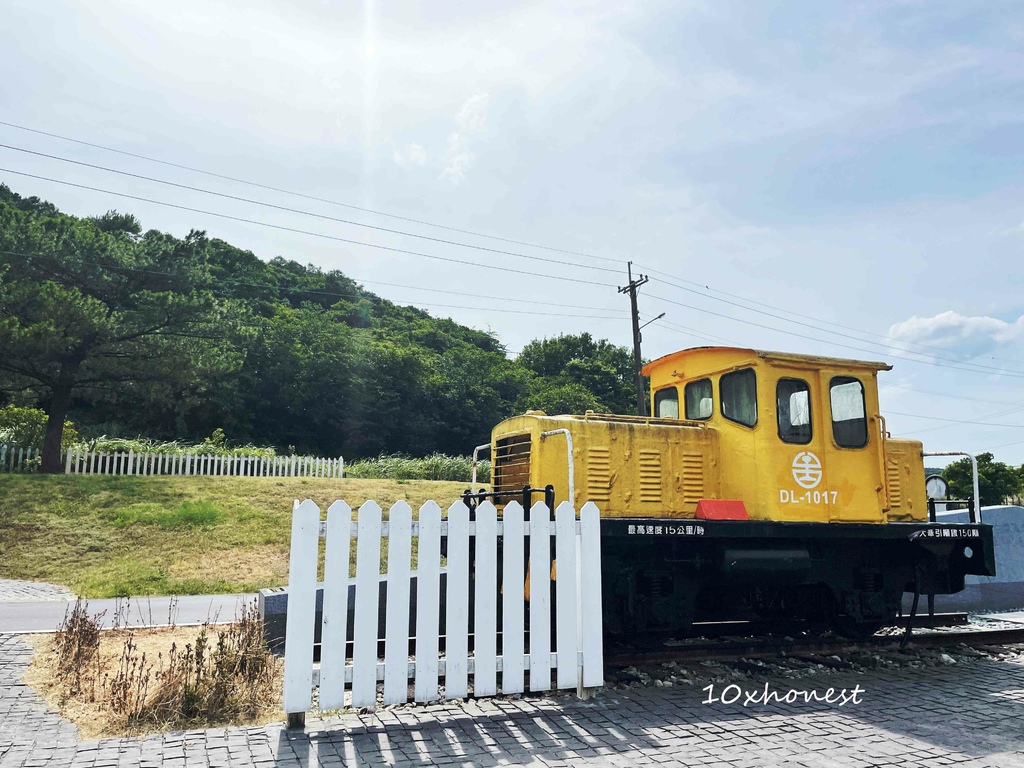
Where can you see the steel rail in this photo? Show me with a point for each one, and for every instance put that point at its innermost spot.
(775, 647)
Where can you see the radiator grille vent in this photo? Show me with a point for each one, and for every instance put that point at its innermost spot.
(650, 476)
(892, 476)
(511, 463)
(693, 478)
(599, 474)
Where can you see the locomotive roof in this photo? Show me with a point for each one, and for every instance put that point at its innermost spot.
(697, 354)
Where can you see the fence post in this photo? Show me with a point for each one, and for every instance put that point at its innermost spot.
(540, 597)
(485, 627)
(512, 610)
(364, 631)
(396, 627)
(337, 554)
(456, 671)
(590, 597)
(428, 584)
(298, 655)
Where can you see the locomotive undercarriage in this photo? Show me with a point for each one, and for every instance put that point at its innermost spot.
(666, 575)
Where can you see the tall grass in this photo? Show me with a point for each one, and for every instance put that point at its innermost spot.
(436, 466)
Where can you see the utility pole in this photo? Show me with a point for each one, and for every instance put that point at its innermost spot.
(641, 401)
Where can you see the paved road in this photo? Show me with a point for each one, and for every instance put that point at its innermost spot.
(44, 616)
(965, 714)
(32, 606)
(970, 713)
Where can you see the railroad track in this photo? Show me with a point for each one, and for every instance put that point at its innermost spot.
(773, 647)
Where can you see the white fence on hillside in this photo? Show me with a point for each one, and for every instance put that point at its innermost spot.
(131, 463)
(76, 462)
(519, 651)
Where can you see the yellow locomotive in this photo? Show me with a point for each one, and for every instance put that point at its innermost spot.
(764, 486)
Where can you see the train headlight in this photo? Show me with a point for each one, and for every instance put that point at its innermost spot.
(936, 487)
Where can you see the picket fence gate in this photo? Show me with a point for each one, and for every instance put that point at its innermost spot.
(577, 659)
(205, 464)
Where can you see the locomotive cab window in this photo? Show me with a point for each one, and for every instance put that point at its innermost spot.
(666, 403)
(699, 396)
(738, 391)
(793, 404)
(849, 417)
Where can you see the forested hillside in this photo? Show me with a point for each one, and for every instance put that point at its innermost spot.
(136, 332)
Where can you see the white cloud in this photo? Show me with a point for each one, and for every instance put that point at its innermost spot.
(414, 154)
(471, 119)
(965, 337)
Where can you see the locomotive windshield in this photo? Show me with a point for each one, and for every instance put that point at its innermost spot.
(699, 399)
(666, 403)
(739, 396)
(793, 403)
(849, 423)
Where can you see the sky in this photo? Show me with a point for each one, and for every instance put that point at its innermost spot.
(816, 177)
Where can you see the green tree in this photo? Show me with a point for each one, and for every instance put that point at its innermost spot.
(573, 371)
(996, 481)
(93, 305)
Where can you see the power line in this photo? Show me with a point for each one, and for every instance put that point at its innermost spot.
(305, 231)
(234, 282)
(960, 421)
(1013, 374)
(1007, 445)
(973, 366)
(484, 296)
(942, 394)
(986, 416)
(731, 342)
(834, 333)
(790, 312)
(305, 196)
(304, 213)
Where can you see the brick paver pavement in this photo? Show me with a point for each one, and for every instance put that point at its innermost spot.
(15, 591)
(964, 714)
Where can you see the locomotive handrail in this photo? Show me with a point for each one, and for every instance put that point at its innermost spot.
(572, 469)
(975, 511)
(476, 461)
(884, 479)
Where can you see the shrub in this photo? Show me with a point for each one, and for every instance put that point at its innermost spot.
(76, 647)
(229, 675)
(26, 427)
(436, 466)
(214, 445)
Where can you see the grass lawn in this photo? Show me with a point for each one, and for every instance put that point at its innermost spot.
(121, 536)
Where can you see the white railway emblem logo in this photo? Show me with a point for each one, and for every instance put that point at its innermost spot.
(807, 470)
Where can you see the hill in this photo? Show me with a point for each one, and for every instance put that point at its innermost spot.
(171, 338)
(119, 536)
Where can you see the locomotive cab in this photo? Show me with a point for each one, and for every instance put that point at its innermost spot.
(803, 434)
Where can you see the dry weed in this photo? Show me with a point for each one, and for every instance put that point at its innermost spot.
(158, 679)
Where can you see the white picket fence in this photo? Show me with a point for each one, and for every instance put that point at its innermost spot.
(131, 463)
(16, 459)
(577, 659)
